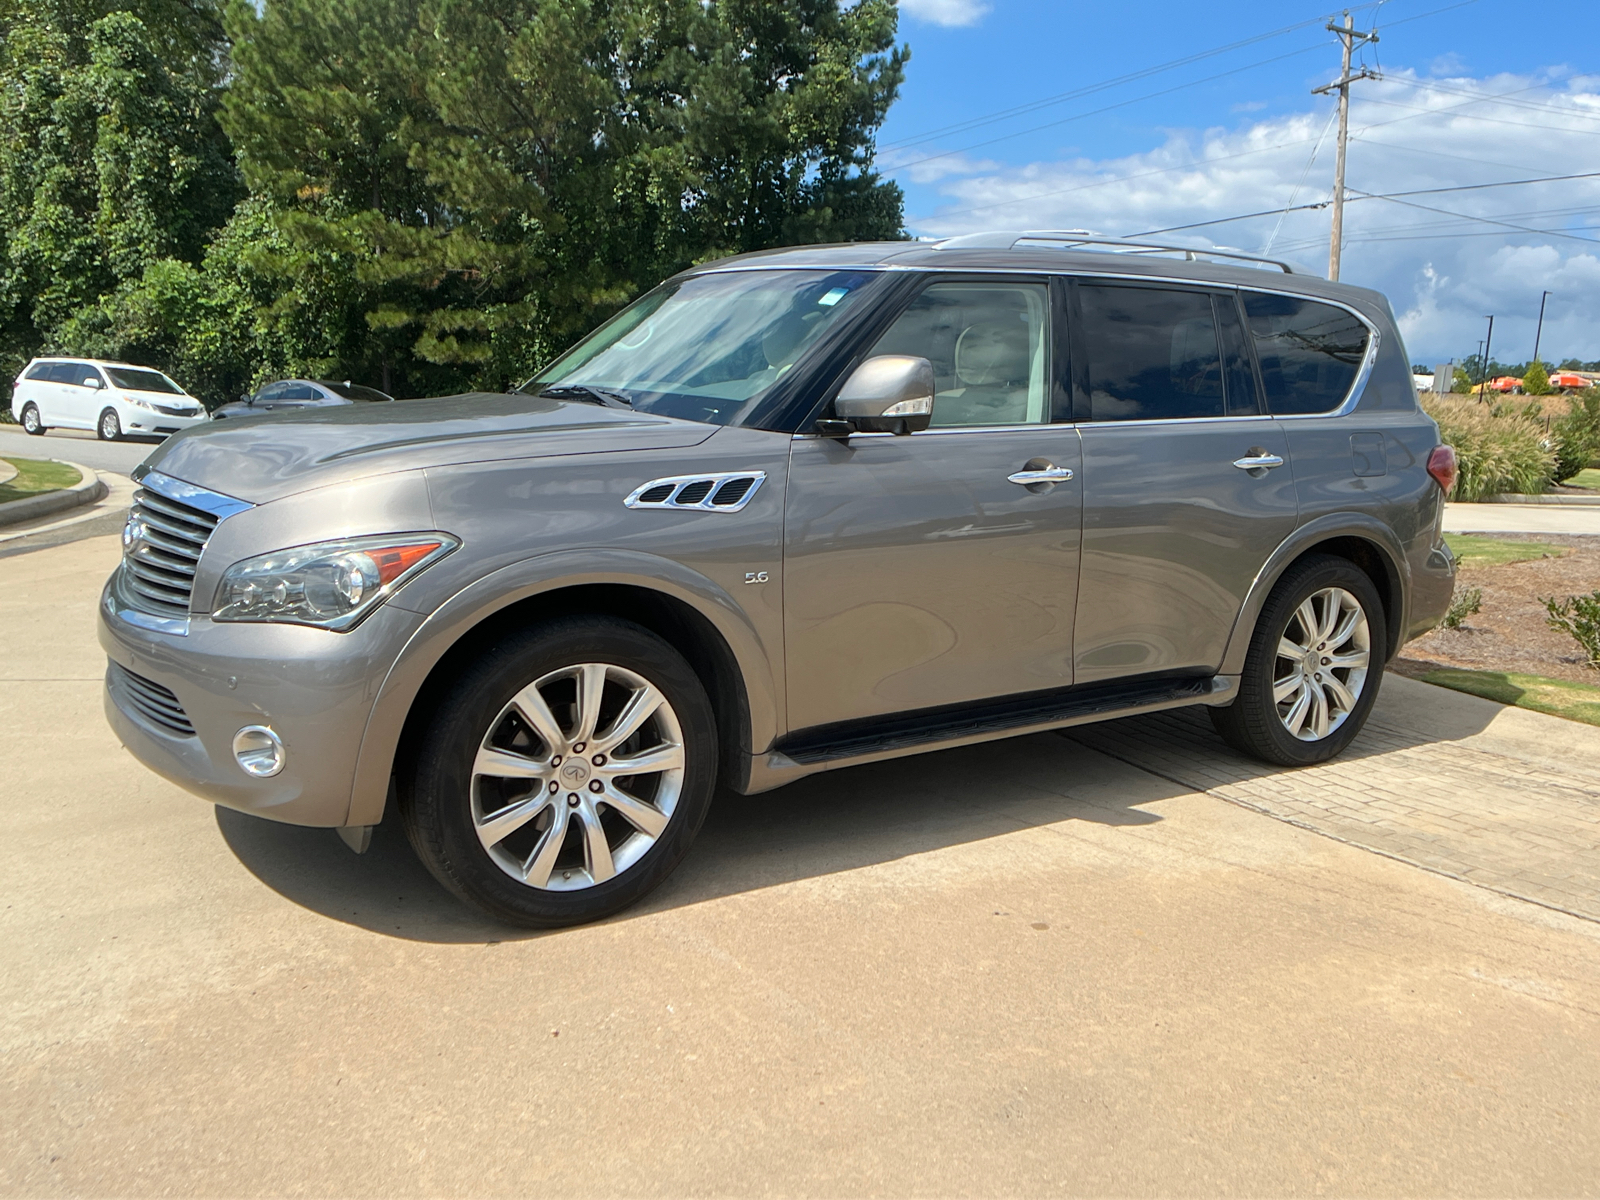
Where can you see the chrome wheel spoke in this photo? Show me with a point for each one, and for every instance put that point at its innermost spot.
(640, 708)
(507, 764)
(1332, 606)
(1352, 661)
(496, 827)
(1319, 710)
(1340, 695)
(1290, 650)
(1307, 614)
(646, 819)
(591, 688)
(1287, 687)
(531, 707)
(596, 850)
(1346, 627)
(543, 859)
(660, 758)
(1295, 718)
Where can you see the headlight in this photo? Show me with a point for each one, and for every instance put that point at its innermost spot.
(140, 403)
(332, 585)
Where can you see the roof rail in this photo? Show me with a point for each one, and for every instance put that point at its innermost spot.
(1071, 239)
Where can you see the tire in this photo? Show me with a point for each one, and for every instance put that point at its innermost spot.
(109, 426)
(1268, 719)
(31, 421)
(537, 857)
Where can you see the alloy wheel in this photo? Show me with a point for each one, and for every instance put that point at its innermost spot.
(577, 777)
(1321, 665)
(30, 419)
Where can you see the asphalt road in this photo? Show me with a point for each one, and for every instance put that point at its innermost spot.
(79, 446)
(1026, 968)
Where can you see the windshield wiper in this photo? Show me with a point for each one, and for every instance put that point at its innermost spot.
(583, 391)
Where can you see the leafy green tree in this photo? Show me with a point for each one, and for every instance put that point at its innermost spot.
(1536, 380)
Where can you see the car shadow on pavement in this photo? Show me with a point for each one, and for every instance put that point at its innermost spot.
(837, 821)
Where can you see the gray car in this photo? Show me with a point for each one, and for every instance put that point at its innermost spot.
(789, 512)
(290, 395)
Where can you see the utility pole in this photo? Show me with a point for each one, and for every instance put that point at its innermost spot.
(1483, 367)
(1539, 331)
(1348, 37)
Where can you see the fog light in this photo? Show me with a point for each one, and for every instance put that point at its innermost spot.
(258, 751)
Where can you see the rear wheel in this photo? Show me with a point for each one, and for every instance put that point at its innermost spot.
(564, 774)
(31, 423)
(110, 427)
(1313, 668)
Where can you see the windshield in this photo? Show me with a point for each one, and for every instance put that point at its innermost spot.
(354, 391)
(131, 379)
(708, 347)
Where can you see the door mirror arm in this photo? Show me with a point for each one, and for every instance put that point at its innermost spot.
(889, 393)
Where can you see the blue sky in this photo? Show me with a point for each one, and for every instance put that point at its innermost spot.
(1484, 92)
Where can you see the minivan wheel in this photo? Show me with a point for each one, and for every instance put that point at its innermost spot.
(563, 774)
(30, 419)
(1312, 672)
(110, 426)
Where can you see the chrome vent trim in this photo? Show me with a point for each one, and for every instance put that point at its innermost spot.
(726, 491)
(169, 524)
(148, 699)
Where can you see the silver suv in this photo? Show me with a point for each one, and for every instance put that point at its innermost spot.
(787, 513)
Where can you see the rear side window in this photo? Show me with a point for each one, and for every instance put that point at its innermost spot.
(65, 373)
(40, 371)
(1157, 354)
(1309, 352)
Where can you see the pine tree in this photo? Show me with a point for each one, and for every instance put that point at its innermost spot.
(1536, 380)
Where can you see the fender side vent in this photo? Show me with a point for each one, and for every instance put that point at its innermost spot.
(726, 492)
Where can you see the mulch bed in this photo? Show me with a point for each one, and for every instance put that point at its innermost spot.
(1509, 632)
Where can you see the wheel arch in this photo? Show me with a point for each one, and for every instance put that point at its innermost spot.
(1364, 541)
(691, 614)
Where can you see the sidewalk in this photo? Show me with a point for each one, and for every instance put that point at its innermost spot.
(1521, 518)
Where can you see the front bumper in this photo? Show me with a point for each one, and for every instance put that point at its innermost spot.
(144, 421)
(315, 689)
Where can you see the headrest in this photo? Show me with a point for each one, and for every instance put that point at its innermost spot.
(992, 352)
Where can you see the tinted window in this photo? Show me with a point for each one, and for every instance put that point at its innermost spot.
(39, 371)
(1153, 353)
(65, 373)
(354, 391)
(1309, 352)
(990, 348)
(299, 391)
(273, 391)
(135, 380)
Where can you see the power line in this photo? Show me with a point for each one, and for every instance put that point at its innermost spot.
(1484, 220)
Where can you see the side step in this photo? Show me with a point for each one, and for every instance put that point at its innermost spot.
(904, 733)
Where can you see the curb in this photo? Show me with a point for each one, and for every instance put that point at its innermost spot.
(87, 490)
(1557, 501)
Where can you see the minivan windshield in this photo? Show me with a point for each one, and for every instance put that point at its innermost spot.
(130, 379)
(705, 348)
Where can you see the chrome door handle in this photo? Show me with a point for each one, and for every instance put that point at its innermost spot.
(1046, 475)
(1257, 462)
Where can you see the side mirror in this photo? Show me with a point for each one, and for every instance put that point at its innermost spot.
(889, 393)
(93, 382)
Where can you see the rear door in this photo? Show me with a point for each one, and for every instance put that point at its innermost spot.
(1187, 484)
(918, 571)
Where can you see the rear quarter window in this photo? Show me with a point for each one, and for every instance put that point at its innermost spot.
(1310, 353)
(40, 371)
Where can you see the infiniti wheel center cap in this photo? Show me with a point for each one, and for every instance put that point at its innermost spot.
(575, 772)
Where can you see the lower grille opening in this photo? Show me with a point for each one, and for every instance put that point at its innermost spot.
(148, 699)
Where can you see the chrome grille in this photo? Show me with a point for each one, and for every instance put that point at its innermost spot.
(727, 491)
(161, 547)
(148, 699)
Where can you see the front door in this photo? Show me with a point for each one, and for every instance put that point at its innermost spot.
(917, 573)
(1187, 487)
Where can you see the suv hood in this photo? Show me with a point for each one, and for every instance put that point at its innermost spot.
(277, 454)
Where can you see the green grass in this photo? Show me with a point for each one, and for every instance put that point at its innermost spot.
(1473, 550)
(34, 477)
(1556, 697)
(1589, 477)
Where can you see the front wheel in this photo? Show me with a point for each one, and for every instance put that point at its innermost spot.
(110, 426)
(1312, 672)
(564, 774)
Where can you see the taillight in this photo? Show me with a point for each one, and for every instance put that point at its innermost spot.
(1442, 466)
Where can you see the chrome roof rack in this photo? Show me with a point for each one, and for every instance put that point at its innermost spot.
(1072, 239)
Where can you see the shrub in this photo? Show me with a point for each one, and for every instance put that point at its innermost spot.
(1464, 605)
(1498, 449)
(1578, 616)
(1536, 380)
(1577, 434)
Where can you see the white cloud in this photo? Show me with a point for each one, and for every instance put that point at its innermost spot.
(1442, 273)
(946, 12)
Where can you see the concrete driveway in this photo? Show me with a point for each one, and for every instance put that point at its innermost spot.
(1031, 967)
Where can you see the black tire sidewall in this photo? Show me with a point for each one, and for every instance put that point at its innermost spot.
(100, 427)
(1255, 726)
(434, 792)
(38, 426)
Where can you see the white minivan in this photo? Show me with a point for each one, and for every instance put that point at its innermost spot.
(114, 399)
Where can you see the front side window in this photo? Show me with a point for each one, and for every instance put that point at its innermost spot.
(1155, 354)
(1309, 353)
(132, 379)
(990, 348)
(705, 348)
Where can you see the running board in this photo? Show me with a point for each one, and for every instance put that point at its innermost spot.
(830, 747)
